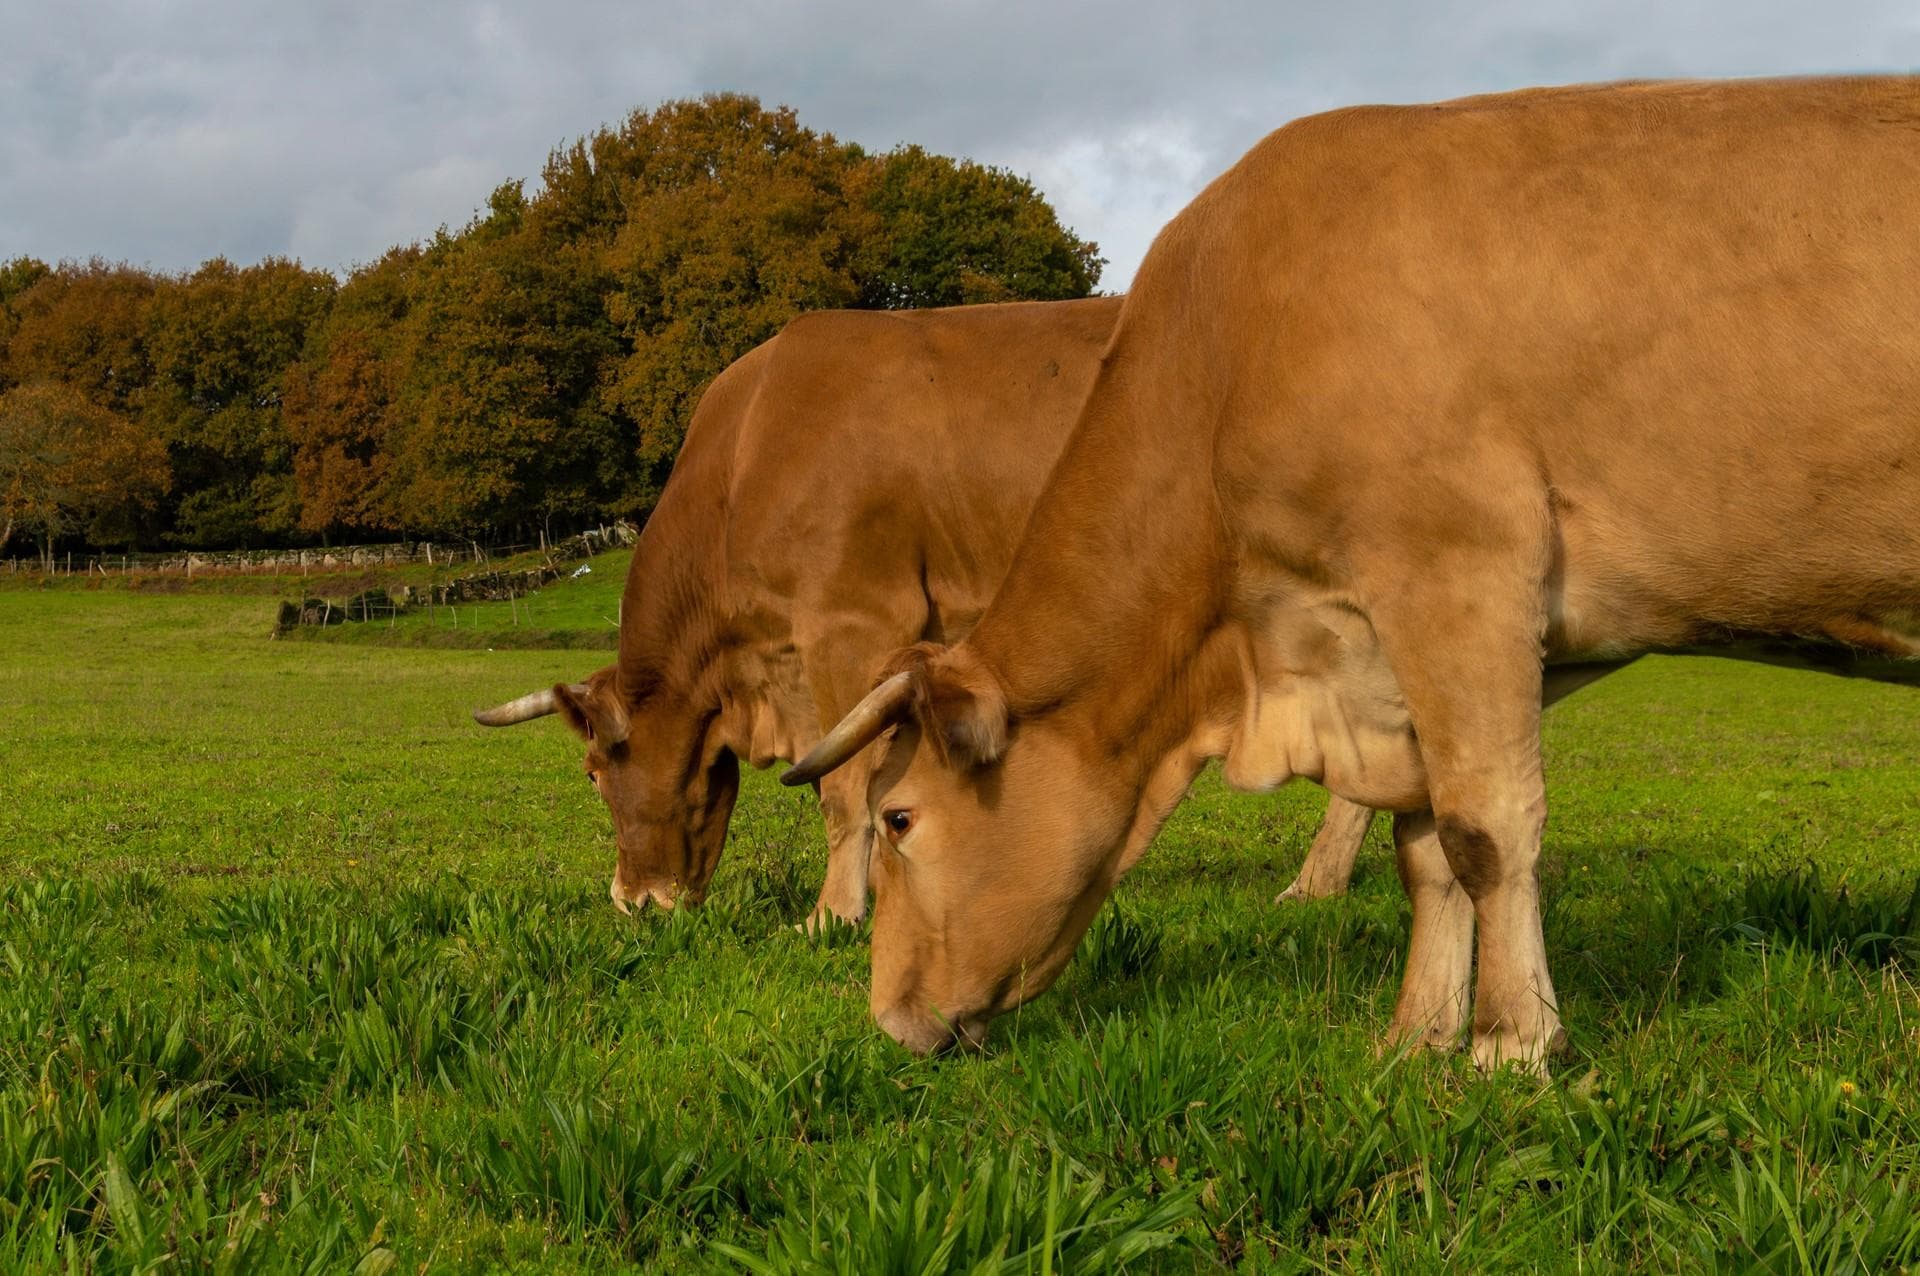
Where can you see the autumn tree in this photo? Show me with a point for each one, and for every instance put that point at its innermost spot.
(68, 464)
(539, 364)
(84, 325)
(16, 277)
(339, 401)
(736, 218)
(504, 348)
(220, 341)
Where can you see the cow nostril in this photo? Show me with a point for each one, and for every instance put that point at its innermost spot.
(970, 1032)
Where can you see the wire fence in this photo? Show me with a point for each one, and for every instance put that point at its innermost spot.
(286, 562)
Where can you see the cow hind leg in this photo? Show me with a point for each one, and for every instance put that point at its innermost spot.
(1329, 863)
(1432, 1010)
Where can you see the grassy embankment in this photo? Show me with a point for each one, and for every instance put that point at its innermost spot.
(580, 611)
(301, 970)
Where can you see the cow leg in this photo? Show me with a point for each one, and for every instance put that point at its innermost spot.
(1516, 1017)
(1433, 998)
(842, 643)
(1329, 863)
(1432, 1010)
(1464, 640)
(1479, 726)
(843, 804)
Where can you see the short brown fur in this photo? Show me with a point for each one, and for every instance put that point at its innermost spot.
(1408, 405)
(856, 483)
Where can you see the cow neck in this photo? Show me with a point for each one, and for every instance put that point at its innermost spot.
(1108, 616)
(670, 623)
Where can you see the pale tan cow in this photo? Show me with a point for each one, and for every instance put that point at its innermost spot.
(1408, 412)
(856, 483)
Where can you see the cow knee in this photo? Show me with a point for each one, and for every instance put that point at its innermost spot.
(1489, 845)
(1471, 852)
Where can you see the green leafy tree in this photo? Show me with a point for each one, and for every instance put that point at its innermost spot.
(952, 232)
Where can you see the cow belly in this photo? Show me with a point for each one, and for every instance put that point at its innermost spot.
(1841, 593)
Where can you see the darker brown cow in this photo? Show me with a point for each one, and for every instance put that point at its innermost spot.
(1411, 416)
(856, 483)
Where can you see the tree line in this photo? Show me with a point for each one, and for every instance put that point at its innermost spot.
(535, 369)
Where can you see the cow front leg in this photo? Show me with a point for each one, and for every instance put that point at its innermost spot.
(1478, 727)
(1329, 863)
(1516, 1017)
(843, 804)
(1463, 637)
(1432, 1010)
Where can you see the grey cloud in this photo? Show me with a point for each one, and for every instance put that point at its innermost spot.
(166, 134)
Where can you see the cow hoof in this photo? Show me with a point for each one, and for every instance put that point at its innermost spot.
(1438, 1038)
(1505, 1048)
(824, 921)
(1301, 890)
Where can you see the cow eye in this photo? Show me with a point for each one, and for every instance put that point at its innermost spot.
(898, 821)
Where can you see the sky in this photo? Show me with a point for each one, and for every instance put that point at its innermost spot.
(167, 133)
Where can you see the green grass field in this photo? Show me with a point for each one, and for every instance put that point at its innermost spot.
(300, 970)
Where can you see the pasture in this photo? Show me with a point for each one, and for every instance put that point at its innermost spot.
(300, 970)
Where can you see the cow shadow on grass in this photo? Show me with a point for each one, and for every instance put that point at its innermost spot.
(1670, 931)
(1652, 929)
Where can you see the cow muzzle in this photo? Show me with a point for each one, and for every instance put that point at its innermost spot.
(925, 1033)
(628, 899)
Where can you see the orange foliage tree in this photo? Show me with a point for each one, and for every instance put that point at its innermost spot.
(338, 405)
(84, 326)
(539, 364)
(68, 464)
(220, 341)
(735, 218)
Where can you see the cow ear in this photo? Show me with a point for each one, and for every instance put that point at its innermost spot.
(596, 716)
(962, 706)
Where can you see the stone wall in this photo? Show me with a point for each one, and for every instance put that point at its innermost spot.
(336, 558)
(478, 586)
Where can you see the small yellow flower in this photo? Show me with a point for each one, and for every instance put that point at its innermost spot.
(1847, 1088)
(353, 863)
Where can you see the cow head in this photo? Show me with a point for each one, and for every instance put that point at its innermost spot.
(997, 841)
(664, 774)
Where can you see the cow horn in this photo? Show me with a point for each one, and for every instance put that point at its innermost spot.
(856, 731)
(535, 704)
